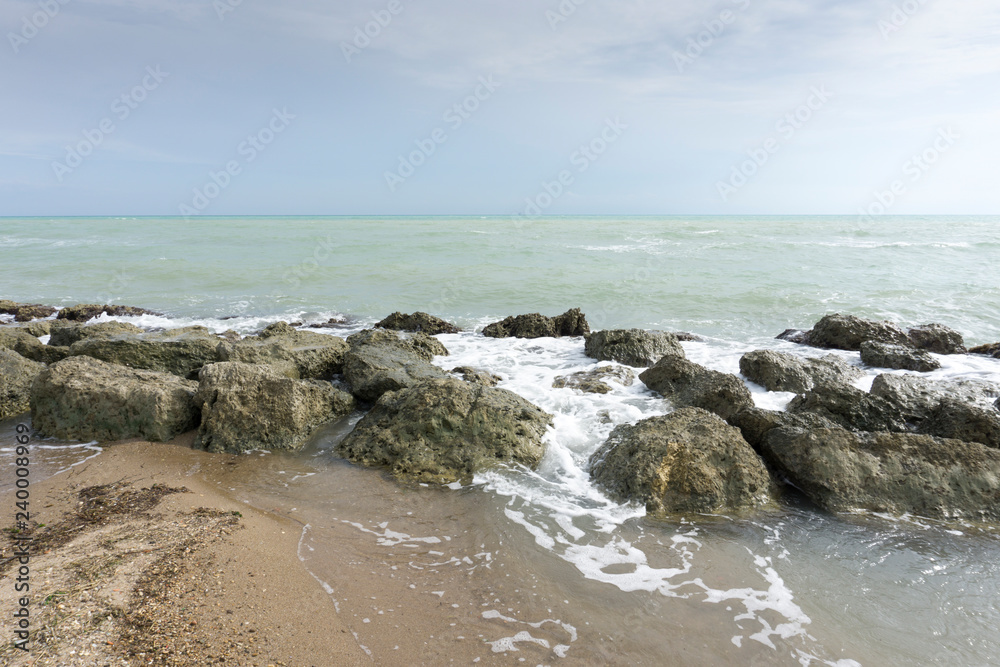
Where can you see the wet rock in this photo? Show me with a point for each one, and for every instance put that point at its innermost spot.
(179, 351)
(849, 407)
(593, 382)
(755, 423)
(418, 321)
(917, 397)
(477, 376)
(882, 355)
(447, 430)
(991, 350)
(28, 346)
(251, 406)
(687, 461)
(937, 338)
(380, 360)
(71, 333)
(896, 473)
(16, 375)
(534, 325)
(962, 421)
(25, 312)
(81, 398)
(794, 336)
(847, 332)
(779, 371)
(687, 384)
(293, 353)
(87, 311)
(633, 347)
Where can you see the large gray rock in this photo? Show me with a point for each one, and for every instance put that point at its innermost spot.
(779, 371)
(70, 333)
(883, 355)
(917, 397)
(28, 346)
(82, 398)
(962, 421)
(634, 347)
(179, 351)
(16, 376)
(687, 461)
(687, 384)
(447, 430)
(534, 325)
(379, 360)
(755, 423)
(252, 406)
(293, 353)
(847, 332)
(25, 312)
(418, 322)
(850, 407)
(896, 473)
(87, 311)
(937, 338)
(593, 382)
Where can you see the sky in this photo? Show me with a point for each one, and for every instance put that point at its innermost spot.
(532, 107)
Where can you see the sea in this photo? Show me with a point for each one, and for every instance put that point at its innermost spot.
(539, 567)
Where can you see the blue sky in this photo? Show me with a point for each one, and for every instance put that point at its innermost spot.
(238, 107)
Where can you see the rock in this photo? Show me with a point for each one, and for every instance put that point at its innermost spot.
(28, 346)
(380, 360)
(634, 347)
(685, 337)
(847, 332)
(67, 335)
(534, 325)
(82, 398)
(849, 407)
(961, 421)
(25, 312)
(882, 355)
(251, 406)
(991, 350)
(447, 430)
(16, 375)
(917, 397)
(794, 336)
(687, 461)
(937, 338)
(179, 351)
(87, 311)
(477, 376)
(686, 384)
(418, 321)
(755, 423)
(592, 382)
(295, 354)
(779, 371)
(897, 473)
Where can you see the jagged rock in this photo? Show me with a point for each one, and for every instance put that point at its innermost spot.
(897, 473)
(962, 421)
(87, 311)
(882, 355)
(418, 322)
(25, 312)
(179, 351)
(849, 407)
(81, 398)
(251, 406)
(847, 332)
(794, 336)
(295, 354)
(755, 423)
(477, 376)
(28, 346)
(380, 360)
(991, 350)
(634, 347)
(592, 382)
(16, 375)
(687, 461)
(917, 397)
(779, 371)
(687, 384)
(69, 334)
(447, 430)
(937, 338)
(534, 325)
